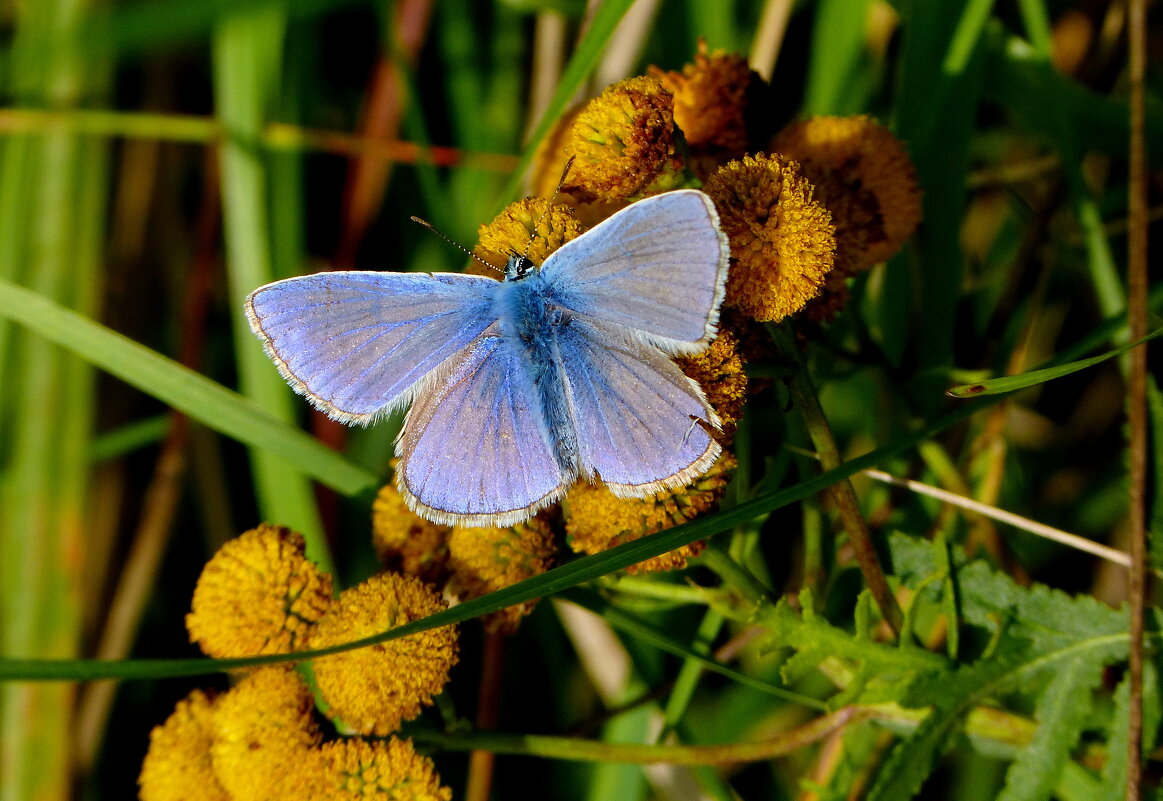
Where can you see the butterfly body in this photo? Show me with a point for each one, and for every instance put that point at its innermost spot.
(532, 320)
(519, 387)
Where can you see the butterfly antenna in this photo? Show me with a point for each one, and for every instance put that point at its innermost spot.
(553, 197)
(564, 172)
(454, 243)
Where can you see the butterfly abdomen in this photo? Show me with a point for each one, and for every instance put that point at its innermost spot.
(533, 323)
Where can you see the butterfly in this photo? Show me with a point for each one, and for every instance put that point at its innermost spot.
(520, 387)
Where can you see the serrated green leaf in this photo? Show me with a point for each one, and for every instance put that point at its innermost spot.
(1114, 770)
(1155, 508)
(1062, 711)
(1046, 616)
(815, 639)
(952, 694)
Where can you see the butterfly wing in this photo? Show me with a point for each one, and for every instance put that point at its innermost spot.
(658, 268)
(641, 422)
(356, 343)
(474, 449)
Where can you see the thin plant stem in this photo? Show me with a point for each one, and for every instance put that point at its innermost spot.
(580, 750)
(481, 762)
(841, 494)
(1137, 288)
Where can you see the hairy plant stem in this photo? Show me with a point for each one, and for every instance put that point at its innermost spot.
(1137, 290)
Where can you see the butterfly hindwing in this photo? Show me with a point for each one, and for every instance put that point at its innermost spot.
(474, 450)
(657, 268)
(356, 343)
(641, 422)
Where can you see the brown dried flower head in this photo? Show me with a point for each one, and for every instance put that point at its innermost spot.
(865, 179)
(713, 98)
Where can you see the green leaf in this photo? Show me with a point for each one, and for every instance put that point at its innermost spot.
(1012, 383)
(1050, 641)
(815, 639)
(195, 395)
(1062, 711)
(1155, 457)
(838, 72)
(644, 632)
(952, 694)
(1045, 616)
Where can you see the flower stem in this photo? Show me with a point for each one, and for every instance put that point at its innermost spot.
(841, 494)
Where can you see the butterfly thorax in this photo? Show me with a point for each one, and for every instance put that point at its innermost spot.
(530, 318)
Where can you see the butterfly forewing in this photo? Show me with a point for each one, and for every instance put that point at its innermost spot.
(657, 268)
(641, 423)
(475, 451)
(355, 343)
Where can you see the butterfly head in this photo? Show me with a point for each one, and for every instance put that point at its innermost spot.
(518, 266)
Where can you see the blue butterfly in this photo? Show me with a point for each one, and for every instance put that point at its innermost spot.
(519, 387)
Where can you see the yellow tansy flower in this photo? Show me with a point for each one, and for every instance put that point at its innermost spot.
(596, 520)
(782, 241)
(406, 542)
(712, 98)
(257, 595)
(488, 559)
(719, 371)
(179, 755)
(374, 689)
(533, 227)
(864, 177)
(390, 770)
(264, 731)
(623, 144)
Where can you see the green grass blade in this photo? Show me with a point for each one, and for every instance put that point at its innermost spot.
(550, 583)
(838, 68)
(1012, 383)
(191, 393)
(247, 63)
(584, 59)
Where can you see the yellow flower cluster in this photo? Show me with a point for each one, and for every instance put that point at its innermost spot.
(483, 560)
(804, 209)
(260, 595)
(782, 241)
(596, 519)
(715, 101)
(466, 562)
(260, 741)
(373, 690)
(624, 147)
